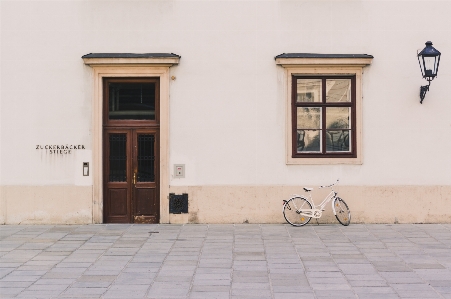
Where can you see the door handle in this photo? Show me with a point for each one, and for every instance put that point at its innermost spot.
(134, 178)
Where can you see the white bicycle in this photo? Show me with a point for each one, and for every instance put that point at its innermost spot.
(299, 210)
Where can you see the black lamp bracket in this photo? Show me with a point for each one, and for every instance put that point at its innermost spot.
(423, 90)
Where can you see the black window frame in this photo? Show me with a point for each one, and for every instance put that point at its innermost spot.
(323, 104)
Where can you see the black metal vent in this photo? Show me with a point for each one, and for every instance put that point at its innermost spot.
(178, 203)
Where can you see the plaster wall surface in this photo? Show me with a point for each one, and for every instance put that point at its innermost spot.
(263, 204)
(227, 103)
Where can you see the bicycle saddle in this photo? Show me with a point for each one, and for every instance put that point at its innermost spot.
(308, 189)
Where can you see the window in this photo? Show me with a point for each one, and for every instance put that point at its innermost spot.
(323, 116)
(323, 107)
(132, 99)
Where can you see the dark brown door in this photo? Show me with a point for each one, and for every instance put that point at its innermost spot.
(131, 151)
(131, 176)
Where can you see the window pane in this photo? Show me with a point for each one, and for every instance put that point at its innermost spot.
(308, 118)
(338, 90)
(309, 90)
(132, 101)
(118, 158)
(338, 117)
(338, 141)
(146, 158)
(308, 141)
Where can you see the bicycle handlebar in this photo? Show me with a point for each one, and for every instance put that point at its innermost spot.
(330, 185)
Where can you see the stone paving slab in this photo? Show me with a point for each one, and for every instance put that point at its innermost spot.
(225, 261)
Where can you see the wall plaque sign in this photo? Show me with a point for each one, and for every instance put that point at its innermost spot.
(60, 149)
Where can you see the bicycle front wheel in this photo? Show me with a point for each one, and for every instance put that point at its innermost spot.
(292, 208)
(342, 212)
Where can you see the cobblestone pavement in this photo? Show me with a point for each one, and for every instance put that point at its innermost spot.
(225, 261)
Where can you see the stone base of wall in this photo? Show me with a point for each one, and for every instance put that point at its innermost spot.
(235, 204)
(46, 205)
(368, 204)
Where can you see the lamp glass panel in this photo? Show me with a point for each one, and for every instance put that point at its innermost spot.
(429, 63)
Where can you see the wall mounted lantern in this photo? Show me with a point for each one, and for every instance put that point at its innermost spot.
(429, 59)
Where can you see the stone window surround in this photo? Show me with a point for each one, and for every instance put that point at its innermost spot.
(129, 66)
(327, 65)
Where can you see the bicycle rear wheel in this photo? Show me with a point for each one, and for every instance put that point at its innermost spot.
(291, 211)
(342, 212)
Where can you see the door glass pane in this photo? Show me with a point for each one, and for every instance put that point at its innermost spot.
(146, 158)
(338, 90)
(308, 141)
(132, 101)
(338, 117)
(118, 158)
(308, 117)
(338, 140)
(309, 90)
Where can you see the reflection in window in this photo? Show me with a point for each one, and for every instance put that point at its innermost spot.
(308, 141)
(337, 141)
(308, 90)
(338, 90)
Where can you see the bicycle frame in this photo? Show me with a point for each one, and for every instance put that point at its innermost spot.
(317, 210)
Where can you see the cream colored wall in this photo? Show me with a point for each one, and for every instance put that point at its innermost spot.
(263, 204)
(227, 105)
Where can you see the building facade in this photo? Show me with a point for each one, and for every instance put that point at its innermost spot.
(118, 111)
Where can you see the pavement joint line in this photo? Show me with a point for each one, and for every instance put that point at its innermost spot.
(299, 257)
(198, 262)
(42, 250)
(233, 252)
(266, 259)
(167, 254)
(104, 226)
(335, 262)
(125, 266)
(394, 252)
(347, 280)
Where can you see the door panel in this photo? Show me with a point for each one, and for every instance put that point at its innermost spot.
(145, 200)
(145, 193)
(117, 168)
(131, 178)
(117, 204)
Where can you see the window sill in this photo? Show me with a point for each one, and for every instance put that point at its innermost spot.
(324, 161)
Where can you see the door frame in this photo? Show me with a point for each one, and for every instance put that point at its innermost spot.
(118, 68)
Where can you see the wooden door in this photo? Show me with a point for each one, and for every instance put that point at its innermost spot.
(131, 150)
(131, 192)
